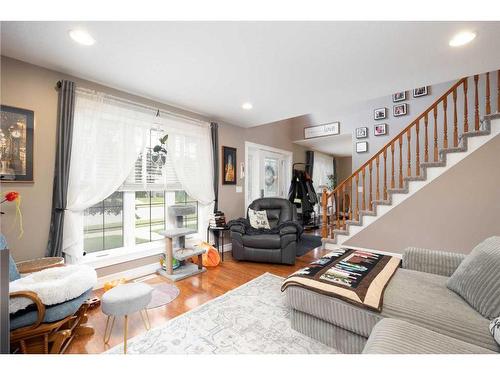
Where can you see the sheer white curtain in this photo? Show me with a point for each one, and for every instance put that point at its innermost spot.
(323, 167)
(107, 138)
(190, 149)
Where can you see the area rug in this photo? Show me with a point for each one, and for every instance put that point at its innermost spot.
(251, 319)
(162, 294)
(307, 243)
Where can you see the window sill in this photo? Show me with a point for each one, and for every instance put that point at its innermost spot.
(101, 259)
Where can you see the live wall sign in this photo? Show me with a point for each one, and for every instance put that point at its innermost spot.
(332, 128)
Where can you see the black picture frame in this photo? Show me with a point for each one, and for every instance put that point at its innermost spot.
(420, 91)
(229, 162)
(399, 110)
(399, 97)
(16, 144)
(380, 113)
(361, 132)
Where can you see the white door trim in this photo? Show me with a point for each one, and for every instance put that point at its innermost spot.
(289, 160)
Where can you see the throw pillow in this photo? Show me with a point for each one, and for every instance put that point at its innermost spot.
(258, 219)
(477, 278)
(495, 329)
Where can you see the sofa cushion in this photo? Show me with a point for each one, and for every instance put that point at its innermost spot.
(423, 299)
(392, 336)
(262, 241)
(477, 278)
(52, 313)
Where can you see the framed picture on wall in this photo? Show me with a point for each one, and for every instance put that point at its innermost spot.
(400, 110)
(16, 144)
(380, 129)
(380, 114)
(228, 165)
(361, 147)
(361, 132)
(399, 97)
(421, 91)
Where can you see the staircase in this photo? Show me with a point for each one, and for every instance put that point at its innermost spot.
(415, 157)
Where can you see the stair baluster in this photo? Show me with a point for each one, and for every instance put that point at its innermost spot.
(436, 153)
(370, 196)
(408, 138)
(400, 161)
(385, 174)
(498, 90)
(488, 103)
(455, 120)
(377, 195)
(335, 196)
(476, 103)
(417, 149)
(426, 143)
(344, 207)
(466, 108)
(363, 202)
(445, 122)
(356, 213)
(393, 182)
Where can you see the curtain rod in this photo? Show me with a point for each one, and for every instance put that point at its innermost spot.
(140, 105)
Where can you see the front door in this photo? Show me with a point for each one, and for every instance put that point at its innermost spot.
(268, 173)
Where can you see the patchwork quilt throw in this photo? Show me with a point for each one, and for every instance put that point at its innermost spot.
(355, 276)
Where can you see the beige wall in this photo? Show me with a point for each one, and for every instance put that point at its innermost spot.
(454, 212)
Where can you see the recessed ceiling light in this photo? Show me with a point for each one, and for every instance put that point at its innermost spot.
(81, 37)
(462, 38)
(247, 106)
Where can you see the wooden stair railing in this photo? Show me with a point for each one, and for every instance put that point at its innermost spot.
(360, 189)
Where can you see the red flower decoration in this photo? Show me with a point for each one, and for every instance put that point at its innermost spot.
(11, 196)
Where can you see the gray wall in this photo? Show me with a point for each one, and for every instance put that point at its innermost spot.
(455, 212)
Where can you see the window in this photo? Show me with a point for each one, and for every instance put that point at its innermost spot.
(149, 215)
(130, 218)
(103, 224)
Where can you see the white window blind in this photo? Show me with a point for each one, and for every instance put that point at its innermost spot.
(148, 175)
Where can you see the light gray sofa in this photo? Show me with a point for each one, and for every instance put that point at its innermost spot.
(417, 308)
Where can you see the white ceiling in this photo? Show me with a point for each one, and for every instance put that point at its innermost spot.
(285, 69)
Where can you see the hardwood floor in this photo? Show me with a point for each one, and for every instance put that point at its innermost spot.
(194, 291)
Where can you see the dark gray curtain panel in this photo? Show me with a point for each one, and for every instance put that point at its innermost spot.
(66, 110)
(310, 163)
(214, 129)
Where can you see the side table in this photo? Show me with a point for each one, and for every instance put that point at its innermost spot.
(218, 237)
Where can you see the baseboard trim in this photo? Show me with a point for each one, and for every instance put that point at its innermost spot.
(132, 273)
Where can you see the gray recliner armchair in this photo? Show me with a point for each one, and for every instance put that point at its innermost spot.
(277, 245)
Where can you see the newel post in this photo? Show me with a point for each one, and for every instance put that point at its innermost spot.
(324, 208)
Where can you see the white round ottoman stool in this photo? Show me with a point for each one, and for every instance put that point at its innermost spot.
(123, 300)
